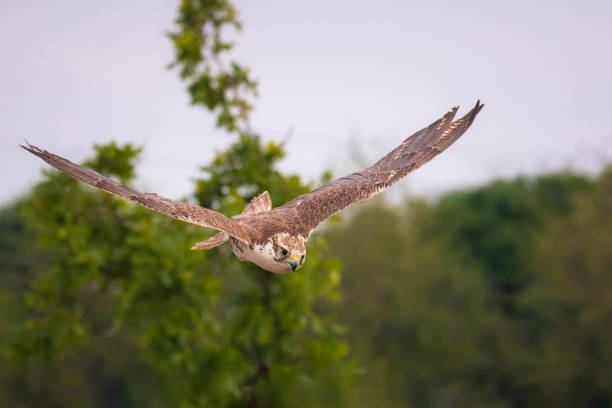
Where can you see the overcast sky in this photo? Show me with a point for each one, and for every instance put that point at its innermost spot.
(349, 76)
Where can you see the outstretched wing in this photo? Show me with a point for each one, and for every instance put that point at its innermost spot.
(181, 211)
(312, 208)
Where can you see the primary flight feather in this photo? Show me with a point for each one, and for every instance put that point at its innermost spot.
(275, 238)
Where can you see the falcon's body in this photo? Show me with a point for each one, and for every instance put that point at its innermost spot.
(275, 239)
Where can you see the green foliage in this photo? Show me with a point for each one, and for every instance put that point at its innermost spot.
(244, 170)
(199, 46)
(234, 333)
(493, 225)
(96, 375)
(422, 306)
(570, 302)
(497, 296)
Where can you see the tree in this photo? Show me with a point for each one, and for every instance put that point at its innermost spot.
(494, 296)
(223, 332)
(569, 300)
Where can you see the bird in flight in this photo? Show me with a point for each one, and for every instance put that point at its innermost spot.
(275, 238)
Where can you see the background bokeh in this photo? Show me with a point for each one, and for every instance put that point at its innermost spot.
(484, 279)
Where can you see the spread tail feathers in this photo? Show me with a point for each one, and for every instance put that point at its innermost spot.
(259, 204)
(211, 242)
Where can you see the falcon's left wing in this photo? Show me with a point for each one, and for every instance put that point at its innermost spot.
(310, 209)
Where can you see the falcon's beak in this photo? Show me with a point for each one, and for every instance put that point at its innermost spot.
(294, 261)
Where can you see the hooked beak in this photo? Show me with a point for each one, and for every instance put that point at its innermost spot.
(293, 261)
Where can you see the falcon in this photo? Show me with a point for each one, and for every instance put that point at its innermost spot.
(275, 238)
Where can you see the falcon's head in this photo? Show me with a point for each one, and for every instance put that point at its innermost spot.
(288, 252)
(280, 253)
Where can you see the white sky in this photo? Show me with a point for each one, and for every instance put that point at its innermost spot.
(348, 75)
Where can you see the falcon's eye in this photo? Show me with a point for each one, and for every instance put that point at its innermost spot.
(284, 251)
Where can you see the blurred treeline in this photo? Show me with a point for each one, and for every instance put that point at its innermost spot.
(494, 297)
(497, 296)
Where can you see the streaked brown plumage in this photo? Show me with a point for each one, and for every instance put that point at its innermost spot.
(275, 239)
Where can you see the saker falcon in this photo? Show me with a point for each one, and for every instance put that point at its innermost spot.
(275, 238)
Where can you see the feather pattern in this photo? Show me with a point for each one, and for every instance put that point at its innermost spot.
(187, 212)
(307, 211)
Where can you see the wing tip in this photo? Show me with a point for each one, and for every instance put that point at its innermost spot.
(471, 115)
(31, 148)
(478, 106)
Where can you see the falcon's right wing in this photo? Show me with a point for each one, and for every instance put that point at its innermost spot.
(187, 212)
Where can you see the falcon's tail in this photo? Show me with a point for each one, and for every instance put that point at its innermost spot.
(211, 242)
(259, 204)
